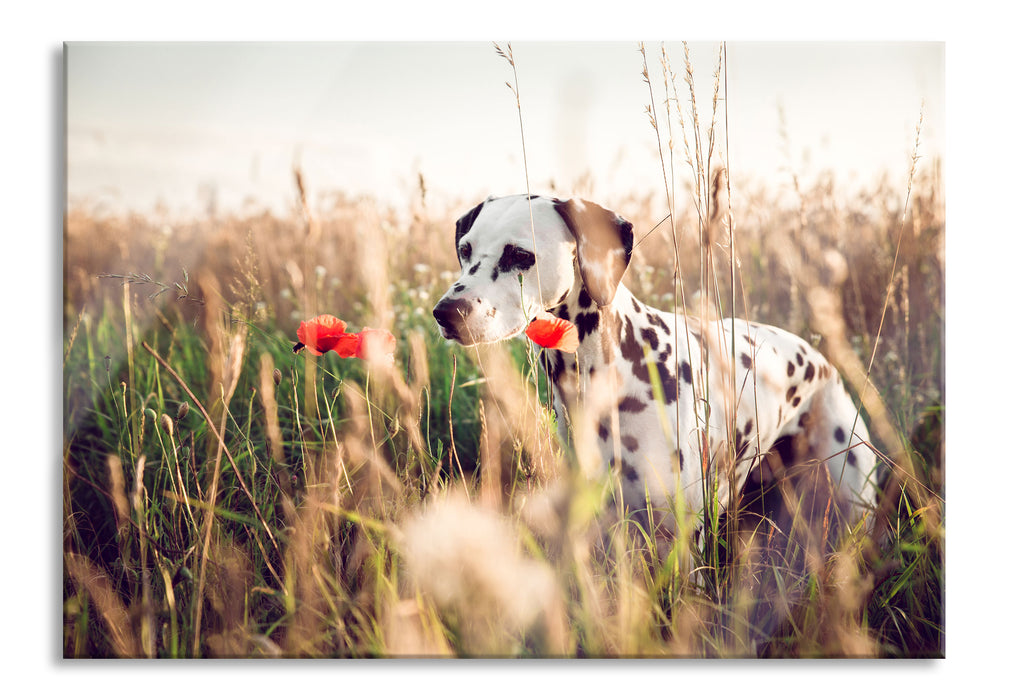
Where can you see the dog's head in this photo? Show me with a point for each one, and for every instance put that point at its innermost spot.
(509, 277)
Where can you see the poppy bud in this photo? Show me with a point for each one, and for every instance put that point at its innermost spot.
(167, 425)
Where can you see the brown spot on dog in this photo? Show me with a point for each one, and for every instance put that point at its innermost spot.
(586, 324)
(656, 320)
(649, 336)
(630, 404)
(686, 375)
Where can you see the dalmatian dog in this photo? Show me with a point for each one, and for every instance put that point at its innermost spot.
(752, 401)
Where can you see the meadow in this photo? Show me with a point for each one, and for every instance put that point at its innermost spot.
(226, 497)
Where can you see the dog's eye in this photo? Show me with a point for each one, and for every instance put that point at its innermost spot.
(465, 250)
(515, 258)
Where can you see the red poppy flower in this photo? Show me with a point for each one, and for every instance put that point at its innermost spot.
(548, 331)
(324, 333)
(347, 345)
(321, 334)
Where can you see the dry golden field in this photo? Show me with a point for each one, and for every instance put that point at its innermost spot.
(225, 497)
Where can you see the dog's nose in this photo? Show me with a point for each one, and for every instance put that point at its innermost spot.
(448, 312)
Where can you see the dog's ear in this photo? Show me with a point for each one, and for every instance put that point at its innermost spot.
(465, 223)
(603, 243)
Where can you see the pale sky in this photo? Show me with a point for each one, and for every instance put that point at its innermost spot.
(158, 122)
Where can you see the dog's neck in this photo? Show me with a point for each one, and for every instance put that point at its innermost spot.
(625, 329)
(599, 330)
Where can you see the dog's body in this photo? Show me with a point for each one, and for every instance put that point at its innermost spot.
(679, 402)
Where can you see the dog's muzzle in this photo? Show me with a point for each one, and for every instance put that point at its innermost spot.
(451, 315)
